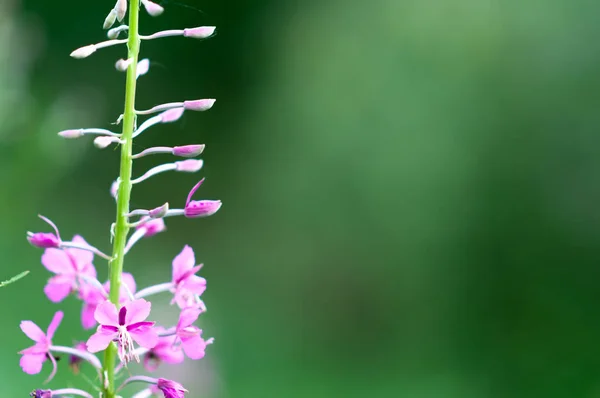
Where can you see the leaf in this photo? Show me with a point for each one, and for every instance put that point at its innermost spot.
(14, 279)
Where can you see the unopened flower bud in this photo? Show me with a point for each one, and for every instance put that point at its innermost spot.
(152, 8)
(43, 240)
(171, 115)
(84, 52)
(152, 226)
(143, 67)
(201, 32)
(121, 9)
(114, 188)
(159, 212)
(76, 133)
(41, 393)
(188, 151)
(110, 19)
(201, 208)
(171, 389)
(104, 141)
(190, 165)
(114, 32)
(123, 64)
(199, 105)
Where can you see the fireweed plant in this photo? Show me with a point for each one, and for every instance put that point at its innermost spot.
(118, 311)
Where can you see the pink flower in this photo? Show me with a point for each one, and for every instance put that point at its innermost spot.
(191, 336)
(187, 286)
(200, 208)
(171, 388)
(92, 296)
(70, 267)
(164, 351)
(33, 357)
(123, 326)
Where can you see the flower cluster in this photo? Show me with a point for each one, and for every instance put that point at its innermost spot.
(117, 309)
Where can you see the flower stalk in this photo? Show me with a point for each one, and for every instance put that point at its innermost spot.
(124, 191)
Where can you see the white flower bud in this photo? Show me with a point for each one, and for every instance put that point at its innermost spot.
(152, 8)
(84, 52)
(123, 64)
(110, 19)
(121, 9)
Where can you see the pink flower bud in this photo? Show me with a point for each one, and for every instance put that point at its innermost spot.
(114, 189)
(121, 9)
(123, 64)
(171, 115)
(199, 105)
(44, 240)
(190, 165)
(71, 133)
(152, 226)
(188, 151)
(152, 8)
(159, 212)
(202, 32)
(201, 208)
(84, 52)
(171, 389)
(110, 19)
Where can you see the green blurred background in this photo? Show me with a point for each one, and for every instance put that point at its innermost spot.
(411, 190)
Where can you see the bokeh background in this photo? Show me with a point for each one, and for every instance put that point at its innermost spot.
(411, 190)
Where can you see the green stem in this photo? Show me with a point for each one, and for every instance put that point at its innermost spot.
(124, 193)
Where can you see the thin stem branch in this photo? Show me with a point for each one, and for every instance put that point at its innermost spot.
(124, 193)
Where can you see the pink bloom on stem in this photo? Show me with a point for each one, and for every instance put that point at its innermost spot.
(171, 388)
(164, 351)
(123, 326)
(33, 357)
(70, 266)
(191, 336)
(92, 297)
(187, 287)
(200, 208)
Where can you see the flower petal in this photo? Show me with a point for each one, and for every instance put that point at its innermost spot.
(33, 331)
(187, 317)
(87, 315)
(100, 340)
(145, 336)
(81, 257)
(58, 288)
(56, 320)
(194, 347)
(183, 262)
(195, 284)
(137, 311)
(57, 261)
(32, 363)
(106, 314)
